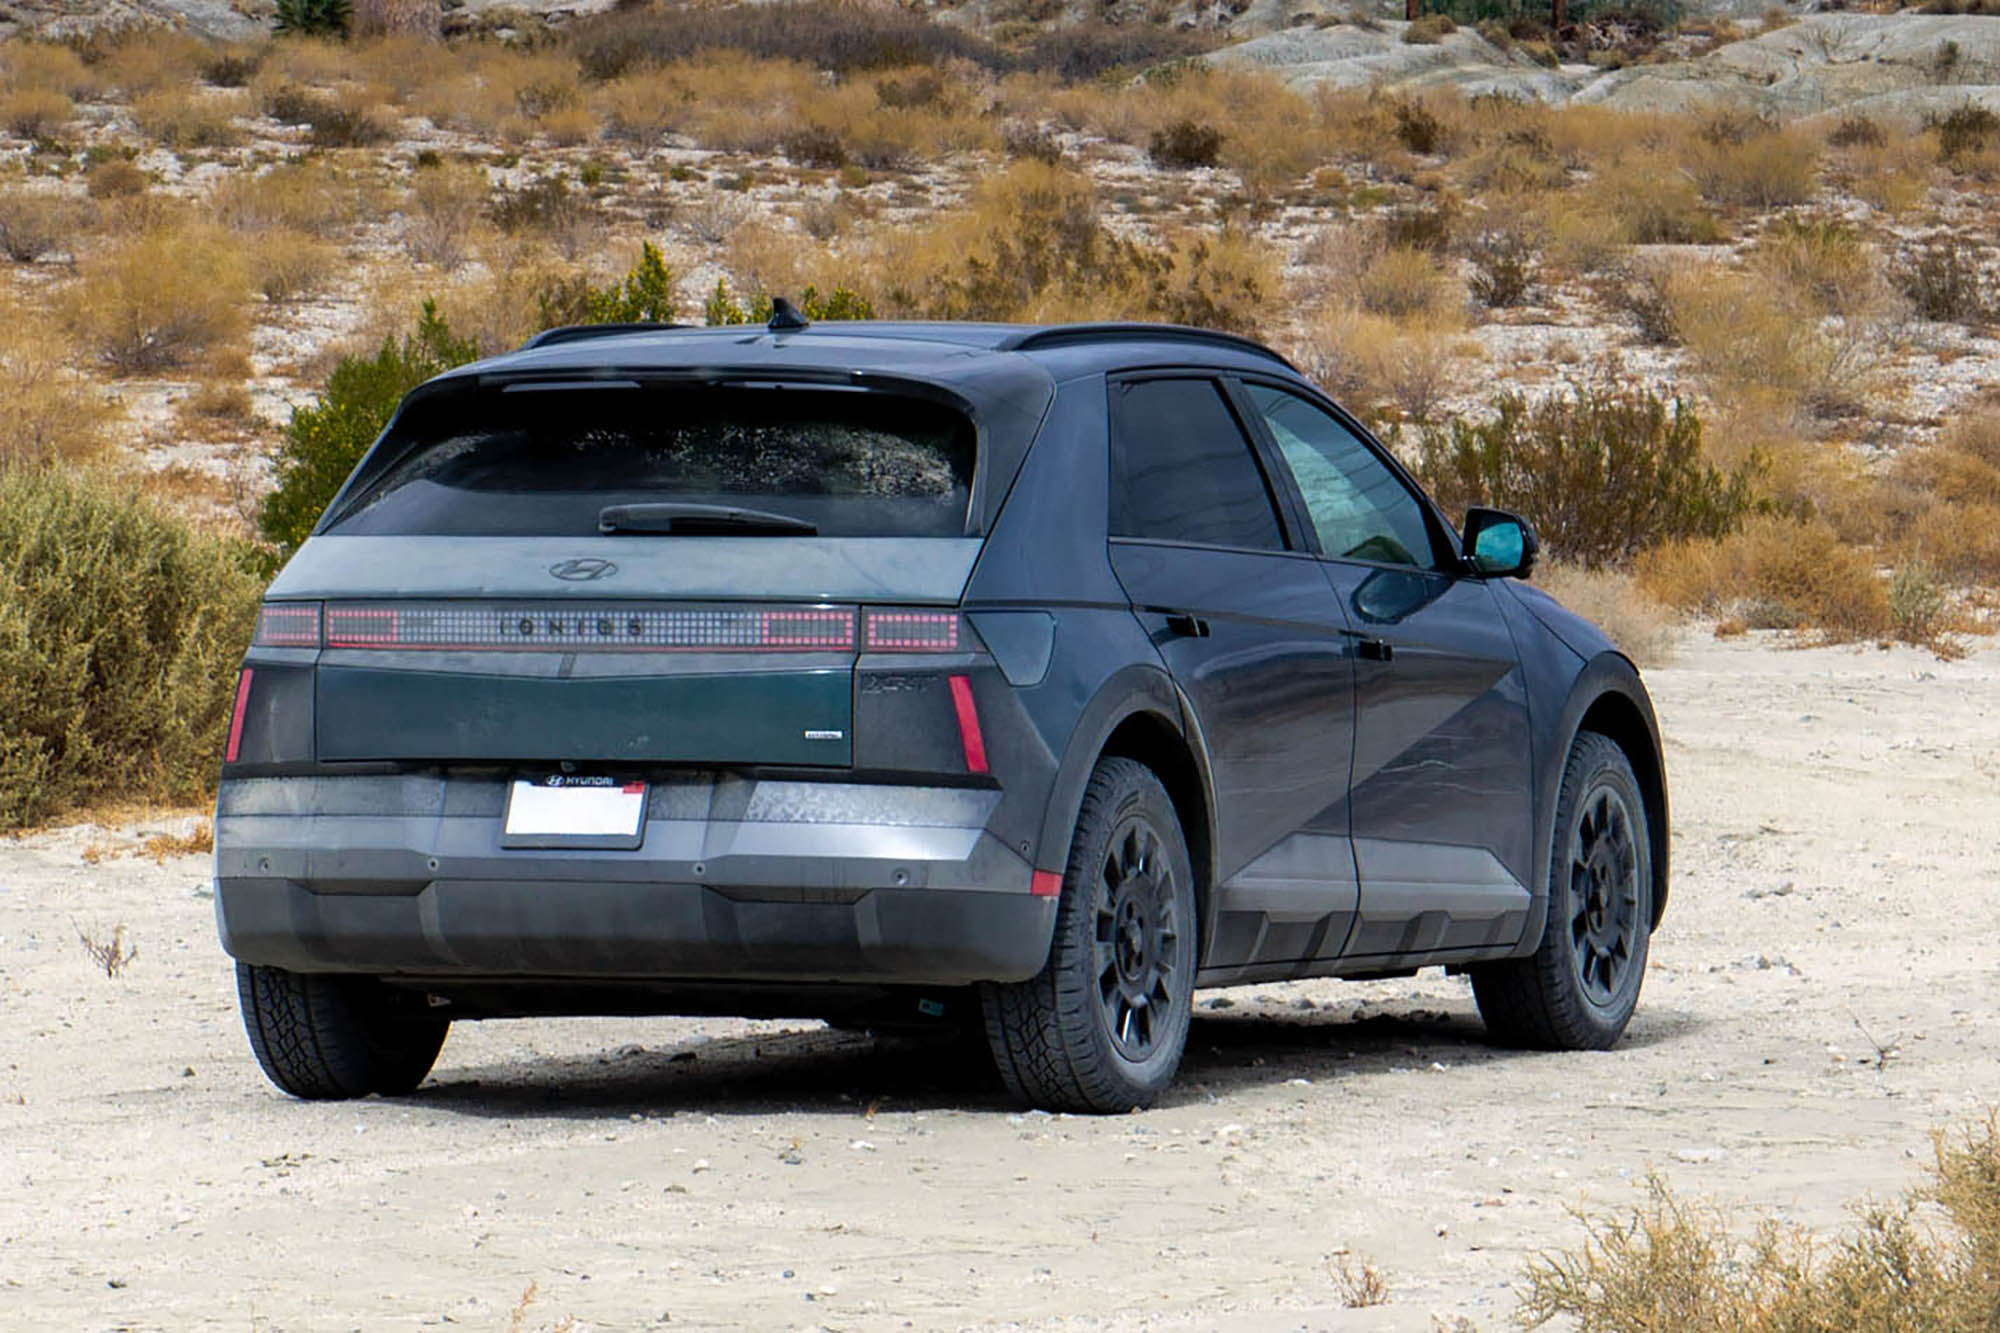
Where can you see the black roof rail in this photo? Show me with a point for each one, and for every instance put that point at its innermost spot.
(576, 333)
(1069, 335)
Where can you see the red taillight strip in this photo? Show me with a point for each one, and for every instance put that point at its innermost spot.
(1046, 884)
(361, 627)
(243, 680)
(281, 626)
(912, 631)
(968, 724)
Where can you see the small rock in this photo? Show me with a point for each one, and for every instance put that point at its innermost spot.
(1699, 1155)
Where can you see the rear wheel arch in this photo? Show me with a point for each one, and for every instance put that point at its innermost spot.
(1138, 714)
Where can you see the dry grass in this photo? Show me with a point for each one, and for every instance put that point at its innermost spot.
(190, 117)
(33, 113)
(1775, 574)
(1926, 1263)
(1615, 603)
(35, 223)
(49, 411)
(1752, 165)
(1382, 367)
(1757, 338)
(197, 841)
(162, 301)
(111, 953)
(288, 265)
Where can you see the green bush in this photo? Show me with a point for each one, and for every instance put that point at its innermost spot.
(643, 296)
(327, 438)
(840, 303)
(315, 18)
(120, 630)
(1602, 472)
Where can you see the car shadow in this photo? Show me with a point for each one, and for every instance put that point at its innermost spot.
(813, 1068)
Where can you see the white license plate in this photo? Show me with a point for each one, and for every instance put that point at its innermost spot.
(574, 810)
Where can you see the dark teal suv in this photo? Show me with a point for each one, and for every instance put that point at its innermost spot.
(903, 672)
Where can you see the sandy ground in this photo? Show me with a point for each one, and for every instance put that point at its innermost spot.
(1836, 861)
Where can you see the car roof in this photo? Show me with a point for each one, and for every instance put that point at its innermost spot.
(943, 352)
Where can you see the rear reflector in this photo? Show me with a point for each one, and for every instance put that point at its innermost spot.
(597, 627)
(287, 625)
(911, 632)
(243, 680)
(1046, 884)
(968, 724)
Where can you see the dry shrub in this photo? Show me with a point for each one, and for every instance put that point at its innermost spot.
(1823, 263)
(396, 18)
(34, 223)
(1185, 144)
(288, 265)
(31, 64)
(1033, 246)
(568, 126)
(1959, 541)
(1755, 339)
(1946, 279)
(1504, 266)
(1380, 366)
(141, 60)
(443, 214)
(1777, 573)
(551, 210)
(1653, 203)
(1613, 601)
(1753, 165)
(162, 300)
(1891, 178)
(218, 403)
(1926, 1263)
(189, 116)
(49, 411)
(1408, 284)
(120, 631)
(311, 196)
(505, 92)
(32, 113)
(117, 178)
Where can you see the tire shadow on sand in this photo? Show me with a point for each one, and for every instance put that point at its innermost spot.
(816, 1068)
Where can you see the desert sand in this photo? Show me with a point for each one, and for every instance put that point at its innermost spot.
(1824, 991)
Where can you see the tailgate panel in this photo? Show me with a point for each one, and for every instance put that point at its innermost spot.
(799, 715)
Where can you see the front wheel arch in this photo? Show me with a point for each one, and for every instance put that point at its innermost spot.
(1607, 697)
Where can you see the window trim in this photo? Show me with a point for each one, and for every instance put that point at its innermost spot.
(1445, 546)
(1277, 485)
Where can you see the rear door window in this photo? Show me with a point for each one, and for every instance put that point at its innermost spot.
(1183, 471)
(549, 462)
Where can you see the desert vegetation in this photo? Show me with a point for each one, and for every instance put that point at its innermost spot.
(1928, 1262)
(1732, 366)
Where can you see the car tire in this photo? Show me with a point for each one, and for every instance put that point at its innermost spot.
(1577, 991)
(1101, 1028)
(330, 1038)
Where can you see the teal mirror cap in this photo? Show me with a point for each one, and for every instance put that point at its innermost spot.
(1499, 548)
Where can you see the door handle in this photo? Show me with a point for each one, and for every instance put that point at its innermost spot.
(1187, 624)
(1375, 650)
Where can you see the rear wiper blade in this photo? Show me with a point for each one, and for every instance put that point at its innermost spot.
(695, 519)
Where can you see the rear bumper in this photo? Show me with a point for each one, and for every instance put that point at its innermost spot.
(736, 881)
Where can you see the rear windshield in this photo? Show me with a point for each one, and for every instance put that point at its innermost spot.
(548, 462)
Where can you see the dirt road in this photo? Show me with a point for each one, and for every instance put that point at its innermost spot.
(1837, 855)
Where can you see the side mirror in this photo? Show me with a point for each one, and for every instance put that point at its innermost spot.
(1499, 544)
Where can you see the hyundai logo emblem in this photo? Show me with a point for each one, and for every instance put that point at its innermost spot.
(583, 569)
